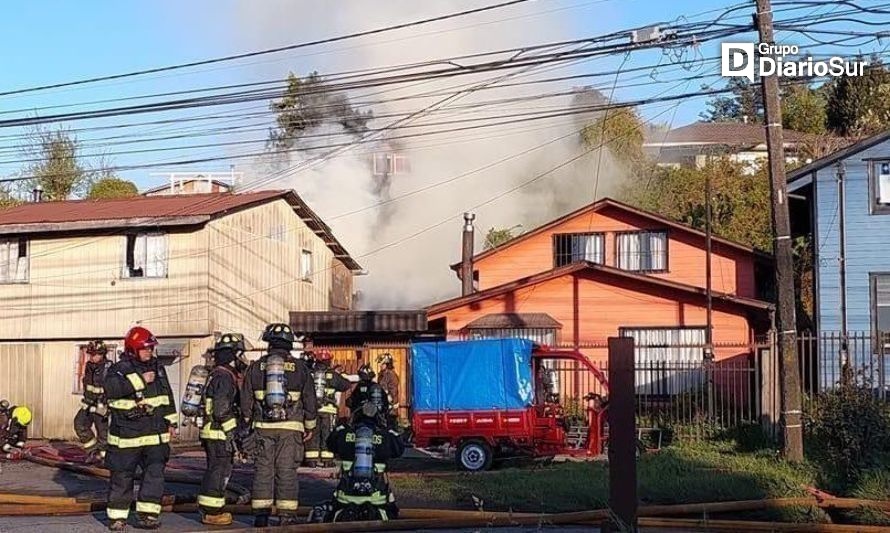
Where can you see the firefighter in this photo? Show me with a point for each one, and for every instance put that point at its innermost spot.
(221, 409)
(14, 422)
(367, 390)
(143, 419)
(94, 408)
(278, 396)
(365, 447)
(389, 380)
(328, 383)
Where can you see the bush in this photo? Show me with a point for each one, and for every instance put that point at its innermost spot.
(847, 430)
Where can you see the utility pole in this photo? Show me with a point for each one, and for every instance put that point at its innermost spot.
(709, 340)
(789, 371)
(842, 265)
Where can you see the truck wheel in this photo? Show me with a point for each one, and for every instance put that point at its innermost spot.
(474, 455)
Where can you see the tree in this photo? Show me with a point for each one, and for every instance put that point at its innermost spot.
(804, 109)
(738, 204)
(110, 188)
(308, 103)
(744, 104)
(621, 132)
(495, 237)
(54, 164)
(860, 105)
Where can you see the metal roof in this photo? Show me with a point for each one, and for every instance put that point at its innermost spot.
(515, 321)
(308, 322)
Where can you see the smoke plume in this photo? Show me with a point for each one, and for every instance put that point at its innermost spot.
(404, 238)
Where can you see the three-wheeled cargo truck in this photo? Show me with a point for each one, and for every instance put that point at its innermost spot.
(490, 398)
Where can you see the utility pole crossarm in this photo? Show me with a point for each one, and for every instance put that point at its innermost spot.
(789, 372)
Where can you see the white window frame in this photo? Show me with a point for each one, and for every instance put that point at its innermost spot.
(679, 349)
(155, 245)
(14, 267)
(878, 174)
(306, 265)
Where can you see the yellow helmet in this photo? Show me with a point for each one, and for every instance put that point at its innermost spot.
(22, 415)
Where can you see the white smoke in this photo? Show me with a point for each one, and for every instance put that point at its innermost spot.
(402, 243)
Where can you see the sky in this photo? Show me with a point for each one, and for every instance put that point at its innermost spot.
(53, 42)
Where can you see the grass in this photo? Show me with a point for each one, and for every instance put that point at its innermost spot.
(874, 485)
(678, 474)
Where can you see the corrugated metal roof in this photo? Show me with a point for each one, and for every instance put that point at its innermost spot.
(165, 210)
(309, 322)
(167, 206)
(514, 321)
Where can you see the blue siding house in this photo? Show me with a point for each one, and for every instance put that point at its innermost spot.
(856, 230)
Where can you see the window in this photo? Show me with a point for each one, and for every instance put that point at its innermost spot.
(574, 247)
(387, 164)
(545, 336)
(642, 251)
(306, 265)
(668, 360)
(880, 302)
(80, 361)
(879, 186)
(14, 261)
(145, 256)
(278, 232)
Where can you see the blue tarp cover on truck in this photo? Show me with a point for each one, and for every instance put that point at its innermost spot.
(472, 375)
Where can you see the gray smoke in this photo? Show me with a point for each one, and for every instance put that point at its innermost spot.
(404, 244)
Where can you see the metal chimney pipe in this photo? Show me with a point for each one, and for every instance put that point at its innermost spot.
(37, 194)
(466, 265)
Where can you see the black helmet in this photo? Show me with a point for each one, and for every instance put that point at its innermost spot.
(365, 372)
(97, 348)
(279, 334)
(234, 341)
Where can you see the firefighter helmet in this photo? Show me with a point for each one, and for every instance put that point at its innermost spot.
(365, 372)
(278, 332)
(97, 348)
(234, 341)
(385, 359)
(22, 415)
(139, 338)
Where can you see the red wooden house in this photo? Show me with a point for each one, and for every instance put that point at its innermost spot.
(610, 269)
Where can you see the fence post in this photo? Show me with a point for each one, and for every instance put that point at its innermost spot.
(622, 434)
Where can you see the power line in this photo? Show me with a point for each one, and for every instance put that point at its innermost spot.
(269, 50)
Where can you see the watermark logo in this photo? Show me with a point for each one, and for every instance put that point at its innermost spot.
(740, 60)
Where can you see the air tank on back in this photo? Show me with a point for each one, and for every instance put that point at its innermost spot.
(194, 392)
(275, 392)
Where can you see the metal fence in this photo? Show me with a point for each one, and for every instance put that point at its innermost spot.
(686, 397)
(860, 356)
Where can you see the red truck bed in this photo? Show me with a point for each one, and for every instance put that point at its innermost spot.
(431, 428)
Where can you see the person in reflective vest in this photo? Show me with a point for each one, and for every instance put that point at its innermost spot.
(328, 383)
(365, 447)
(14, 422)
(278, 396)
(143, 419)
(94, 406)
(221, 417)
(367, 390)
(388, 378)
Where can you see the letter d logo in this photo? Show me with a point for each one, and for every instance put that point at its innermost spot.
(737, 60)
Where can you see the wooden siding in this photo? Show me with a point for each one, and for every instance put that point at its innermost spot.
(22, 377)
(341, 287)
(76, 290)
(254, 268)
(604, 307)
(868, 239)
(732, 270)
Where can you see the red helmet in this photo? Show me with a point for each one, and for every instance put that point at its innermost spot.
(324, 355)
(139, 338)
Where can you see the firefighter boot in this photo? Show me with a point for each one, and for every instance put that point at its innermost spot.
(117, 525)
(219, 519)
(147, 521)
(261, 520)
(289, 520)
